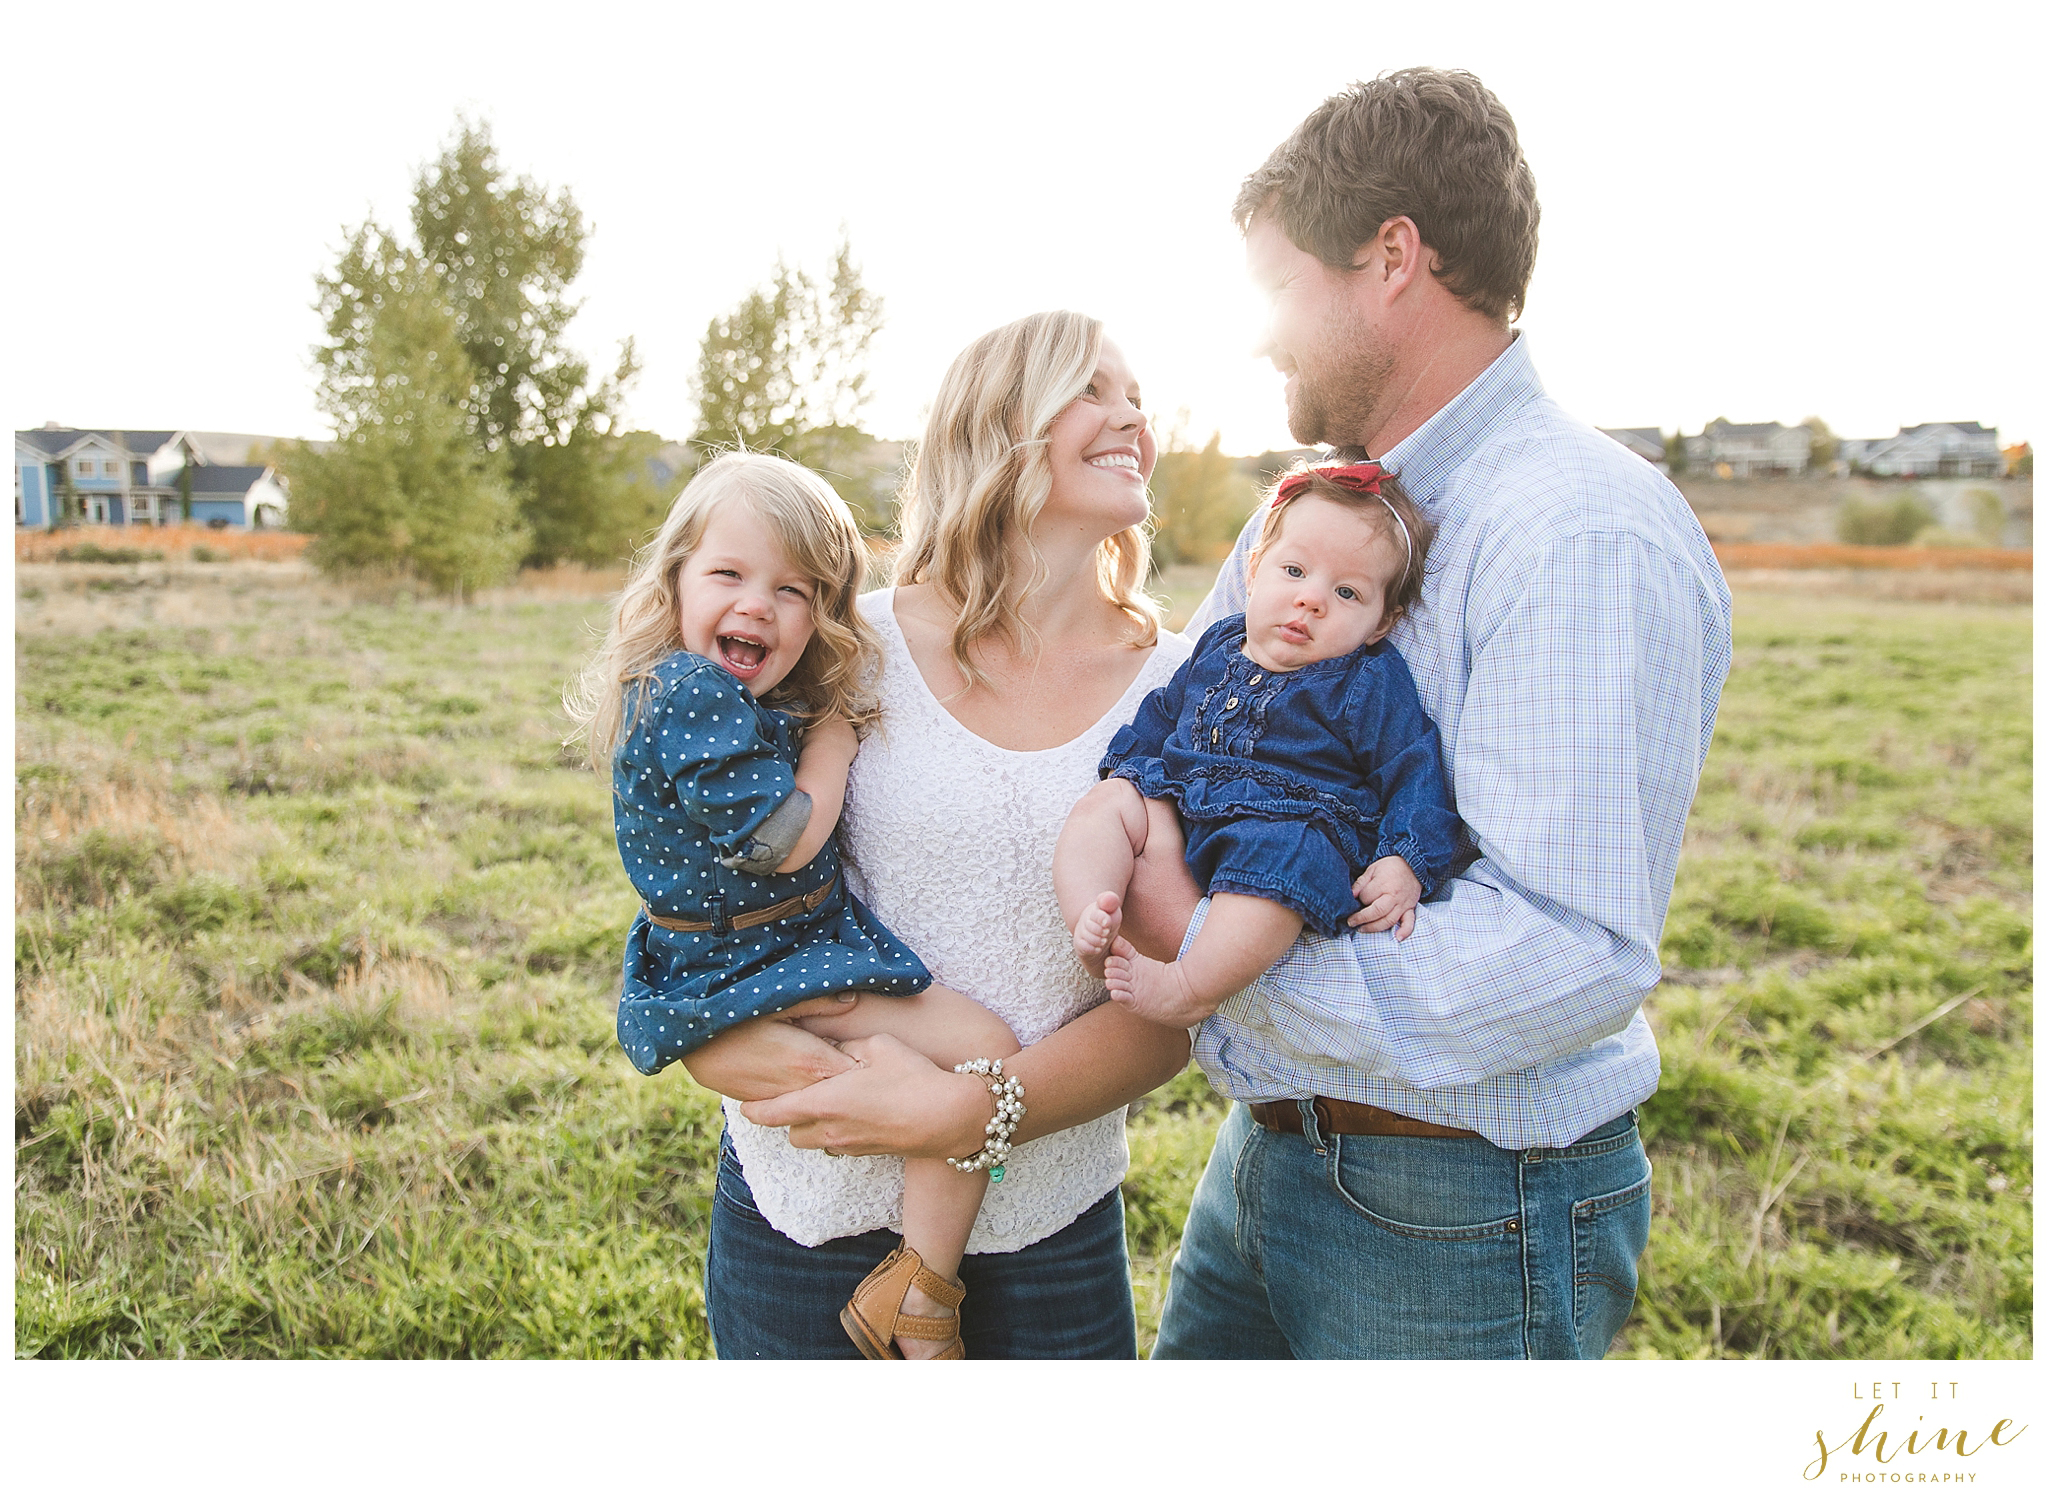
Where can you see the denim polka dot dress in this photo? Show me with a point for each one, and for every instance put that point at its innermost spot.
(700, 768)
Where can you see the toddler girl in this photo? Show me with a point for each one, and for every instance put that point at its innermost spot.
(727, 701)
(1292, 750)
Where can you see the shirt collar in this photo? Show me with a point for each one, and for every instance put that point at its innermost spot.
(1426, 459)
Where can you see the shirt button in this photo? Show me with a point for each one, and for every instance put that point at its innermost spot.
(1213, 735)
(1231, 704)
(1255, 678)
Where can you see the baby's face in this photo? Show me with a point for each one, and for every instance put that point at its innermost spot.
(1319, 589)
(744, 604)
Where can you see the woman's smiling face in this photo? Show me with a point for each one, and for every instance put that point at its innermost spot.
(743, 604)
(1102, 452)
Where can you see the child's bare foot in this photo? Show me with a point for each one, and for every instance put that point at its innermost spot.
(1096, 929)
(921, 1305)
(1158, 992)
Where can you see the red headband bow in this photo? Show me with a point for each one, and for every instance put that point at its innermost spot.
(1360, 479)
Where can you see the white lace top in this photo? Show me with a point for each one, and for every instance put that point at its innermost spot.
(949, 840)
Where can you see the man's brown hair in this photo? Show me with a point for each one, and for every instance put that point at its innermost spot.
(1432, 145)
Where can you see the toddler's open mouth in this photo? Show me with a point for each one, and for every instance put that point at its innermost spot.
(743, 657)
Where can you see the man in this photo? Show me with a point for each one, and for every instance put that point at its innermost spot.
(1434, 1152)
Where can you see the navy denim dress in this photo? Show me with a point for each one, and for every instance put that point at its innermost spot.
(1290, 783)
(699, 769)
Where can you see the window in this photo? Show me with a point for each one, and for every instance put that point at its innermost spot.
(85, 468)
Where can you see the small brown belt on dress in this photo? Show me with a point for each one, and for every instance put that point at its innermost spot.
(1343, 1117)
(794, 906)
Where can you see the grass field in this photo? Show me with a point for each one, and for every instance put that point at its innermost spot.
(316, 934)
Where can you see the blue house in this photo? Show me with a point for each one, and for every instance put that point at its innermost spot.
(118, 477)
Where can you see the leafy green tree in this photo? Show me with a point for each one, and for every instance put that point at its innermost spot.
(504, 251)
(1883, 523)
(786, 370)
(1200, 498)
(601, 499)
(67, 497)
(1822, 447)
(1987, 516)
(405, 483)
(1674, 451)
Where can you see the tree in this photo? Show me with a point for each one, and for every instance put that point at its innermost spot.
(405, 483)
(1200, 498)
(1883, 523)
(67, 497)
(1674, 451)
(504, 251)
(786, 370)
(1822, 448)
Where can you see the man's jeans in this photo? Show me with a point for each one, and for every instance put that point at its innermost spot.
(1392, 1247)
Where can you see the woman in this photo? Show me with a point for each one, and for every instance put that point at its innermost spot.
(1015, 643)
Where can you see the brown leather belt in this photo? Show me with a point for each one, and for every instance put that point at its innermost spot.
(1342, 1117)
(794, 906)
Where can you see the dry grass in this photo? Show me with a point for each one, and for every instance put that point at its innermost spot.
(1737, 556)
(169, 542)
(1894, 585)
(316, 948)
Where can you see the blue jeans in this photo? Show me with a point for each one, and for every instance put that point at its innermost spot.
(1392, 1247)
(1068, 1296)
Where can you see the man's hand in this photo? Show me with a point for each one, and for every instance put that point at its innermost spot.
(1388, 893)
(771, 1056)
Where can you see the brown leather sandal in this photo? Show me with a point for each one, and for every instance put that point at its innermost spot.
(875, 1316)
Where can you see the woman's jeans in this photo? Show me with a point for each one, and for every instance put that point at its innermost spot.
(1066, 1297)
(1393, 1247)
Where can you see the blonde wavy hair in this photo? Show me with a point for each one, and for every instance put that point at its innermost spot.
(982, 474)
(836, 673)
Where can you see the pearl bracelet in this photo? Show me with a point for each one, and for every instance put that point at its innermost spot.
(1009, 1096)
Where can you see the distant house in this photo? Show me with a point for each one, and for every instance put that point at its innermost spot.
(1647, 443)
(238, 495)
(1930, 450)
(118, 477)
(1749, 450)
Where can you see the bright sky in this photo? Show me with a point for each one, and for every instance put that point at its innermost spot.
(1757, 211)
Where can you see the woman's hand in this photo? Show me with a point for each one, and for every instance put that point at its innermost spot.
(771, 1056)
(892, 1101)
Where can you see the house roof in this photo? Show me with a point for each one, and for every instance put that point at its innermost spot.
(1746, 429)
(57, 441)
(1965, 427)
(226, 479)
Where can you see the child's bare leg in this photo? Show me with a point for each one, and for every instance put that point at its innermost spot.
(1162, 897)
(939, 1200)
(1099, 846)
(1120, 870)
(1243, 937)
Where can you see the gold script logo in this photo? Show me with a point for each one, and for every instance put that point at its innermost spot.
(1904, 1452)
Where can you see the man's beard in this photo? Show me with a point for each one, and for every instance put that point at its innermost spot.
(1337, 404)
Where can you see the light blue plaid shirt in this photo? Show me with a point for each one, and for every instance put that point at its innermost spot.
(1571, 645)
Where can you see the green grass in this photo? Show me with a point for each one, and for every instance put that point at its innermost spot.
(316, 935)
